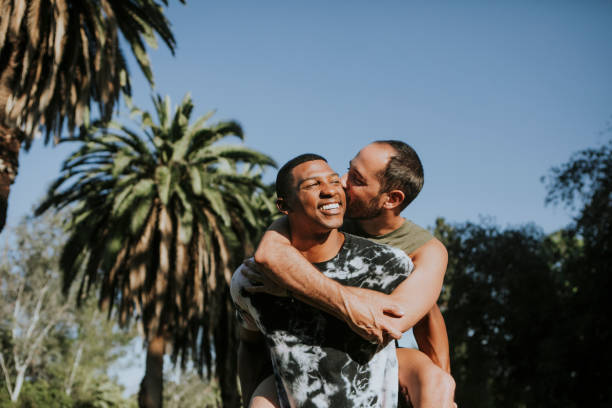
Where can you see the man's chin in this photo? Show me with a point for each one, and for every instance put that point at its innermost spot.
(333, 224)
(337, 225)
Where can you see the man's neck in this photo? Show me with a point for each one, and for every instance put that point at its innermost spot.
(317, 247)
(383, 224)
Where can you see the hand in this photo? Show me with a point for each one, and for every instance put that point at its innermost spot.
(261, 283)
(371, 314)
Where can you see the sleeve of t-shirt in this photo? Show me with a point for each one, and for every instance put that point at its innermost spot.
(415, 238)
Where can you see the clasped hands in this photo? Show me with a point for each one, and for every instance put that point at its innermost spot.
(373, 315)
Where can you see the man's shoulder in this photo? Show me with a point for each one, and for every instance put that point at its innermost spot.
(409, 237)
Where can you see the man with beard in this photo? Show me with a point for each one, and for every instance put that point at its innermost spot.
(382, 180)
(318, 360)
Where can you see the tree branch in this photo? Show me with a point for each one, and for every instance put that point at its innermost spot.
(7, 377)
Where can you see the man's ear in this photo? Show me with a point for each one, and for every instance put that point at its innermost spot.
(282, 206)
(394, 199)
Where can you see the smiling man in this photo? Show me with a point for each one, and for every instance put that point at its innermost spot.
(318, 360)
(383, 178)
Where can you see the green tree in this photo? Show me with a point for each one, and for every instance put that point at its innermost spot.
(59, 56)
(30, 311)
(161, 220)
(526, 312)
(500, 296)
(188, 389)
(584, 184)
(51, 353)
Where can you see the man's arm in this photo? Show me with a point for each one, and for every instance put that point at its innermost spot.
(253, 363)
(363, 310)
(420, 291)
(367, 312)
(430, 334)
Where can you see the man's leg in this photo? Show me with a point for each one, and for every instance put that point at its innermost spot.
(424, 383)
(265, 395)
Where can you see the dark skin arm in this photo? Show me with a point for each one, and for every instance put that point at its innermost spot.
(253, 363)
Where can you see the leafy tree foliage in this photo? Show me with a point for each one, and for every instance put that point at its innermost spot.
(31, 309)
(59, 56)
(53, 354)
(501, 297)
(162, 218)
(526, 312)
(584, 184)
(188, 389)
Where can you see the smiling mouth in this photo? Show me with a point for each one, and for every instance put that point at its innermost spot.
(328, 207)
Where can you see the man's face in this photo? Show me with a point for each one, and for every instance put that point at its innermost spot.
(362, 183)
(318, 200)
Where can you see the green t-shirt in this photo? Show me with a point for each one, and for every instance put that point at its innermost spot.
(409, 237)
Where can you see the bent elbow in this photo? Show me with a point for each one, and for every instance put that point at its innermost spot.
(267, 256)
(260, 256)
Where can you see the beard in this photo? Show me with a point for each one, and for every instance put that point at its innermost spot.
(360, 210)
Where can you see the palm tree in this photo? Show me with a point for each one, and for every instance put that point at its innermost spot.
(59, 56)
(161, 220)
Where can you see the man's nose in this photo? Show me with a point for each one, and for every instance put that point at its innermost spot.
(328, 189)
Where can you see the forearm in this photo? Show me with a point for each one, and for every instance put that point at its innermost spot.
(363, 310)
(420, 291)
(253, 364)
(286, 266)
(431, 336)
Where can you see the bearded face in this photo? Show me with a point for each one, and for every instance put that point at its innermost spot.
(360, 209)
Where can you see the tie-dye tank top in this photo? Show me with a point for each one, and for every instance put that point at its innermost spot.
(318, 361)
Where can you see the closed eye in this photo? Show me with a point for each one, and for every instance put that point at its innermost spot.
(354, 179)
(310, 185)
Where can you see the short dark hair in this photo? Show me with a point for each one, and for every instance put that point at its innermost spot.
(284, 178)
(403, 172)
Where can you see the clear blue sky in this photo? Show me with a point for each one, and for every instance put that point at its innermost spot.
(490, 94)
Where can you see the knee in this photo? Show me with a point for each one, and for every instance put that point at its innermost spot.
(438, 381)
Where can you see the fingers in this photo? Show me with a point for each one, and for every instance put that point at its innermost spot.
(254, 277)
(389, 326)
(250, 263)
(394, 333)
(254, 266)
(393, 311)
(372, 334)
(376, 338)
(256, 289)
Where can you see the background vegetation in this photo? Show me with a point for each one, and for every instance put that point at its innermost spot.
(526, 311)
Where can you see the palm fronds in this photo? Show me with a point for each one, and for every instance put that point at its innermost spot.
(161, 217)
(59, 56)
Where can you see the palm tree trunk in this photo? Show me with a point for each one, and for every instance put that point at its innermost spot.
(226, 350)
(10, 143)
(151, 387)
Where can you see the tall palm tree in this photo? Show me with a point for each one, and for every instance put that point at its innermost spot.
(161, 220)
(59, 56)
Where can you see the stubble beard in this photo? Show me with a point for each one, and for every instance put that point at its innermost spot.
(358, 210)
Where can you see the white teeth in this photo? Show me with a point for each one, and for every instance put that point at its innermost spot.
(330, 206)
